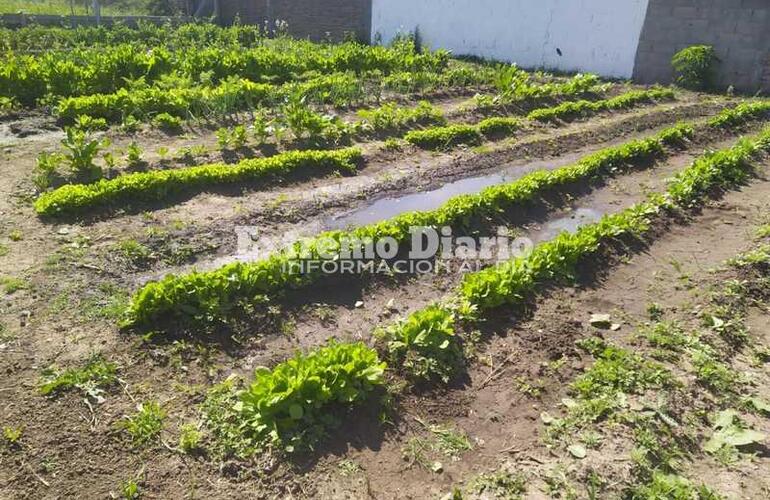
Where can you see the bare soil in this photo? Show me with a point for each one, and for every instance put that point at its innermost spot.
(72, 272)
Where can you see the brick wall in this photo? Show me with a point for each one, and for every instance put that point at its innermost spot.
(739, 30)
(314, 19)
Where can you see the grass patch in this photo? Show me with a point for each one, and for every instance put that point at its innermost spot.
(91, 379)
(504, 485)
(672, 487)
(12, 285)
(618, 370)
(146, 424)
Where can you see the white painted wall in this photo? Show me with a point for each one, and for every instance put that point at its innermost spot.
(598, 36)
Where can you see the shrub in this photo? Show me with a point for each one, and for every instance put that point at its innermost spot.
(695, 67)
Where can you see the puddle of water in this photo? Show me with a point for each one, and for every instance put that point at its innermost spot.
(386, 208)
(569, 223)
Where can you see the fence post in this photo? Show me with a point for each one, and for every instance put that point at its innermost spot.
(97, 12)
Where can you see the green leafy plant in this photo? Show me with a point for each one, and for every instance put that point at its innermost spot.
(134, 154)
(444, 137)
(392, 118)
(159, 185)
(695, 67)
(190, 438)
(498, 126)
(425, 345)
(292, 405)
(672, 487)
(261, 126)
(167, 122)
(146, 424)
(577, 109)
(91, 379)
(209, 296)
(730, 431)
(89, 124)
(45, 169)
(12, 435)
(234, 138)
(740, 114)
(81, 151)
(130, 490)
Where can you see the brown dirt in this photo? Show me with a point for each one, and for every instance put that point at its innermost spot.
(69, 449)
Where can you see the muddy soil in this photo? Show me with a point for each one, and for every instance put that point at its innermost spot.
(72, 275)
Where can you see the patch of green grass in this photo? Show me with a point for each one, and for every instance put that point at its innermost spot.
(667, 337)
(109, 302)
(146, 424)
(223, 420)
(416, 451)
(729, 322)
(764, 231)
(501, 484)
(15, 235)
(12, 285)
(658, 446)
(190, 438)
(664, 486)
(91, 378)
(134, 252)
(3, 250)
(532, 389)
(65, 8)
(760, 255)
(129, 489)
(618, 370)
(714, 375)
(443, 439)
(348, 468)
(450, 441)
(655, 311)
(12, 435)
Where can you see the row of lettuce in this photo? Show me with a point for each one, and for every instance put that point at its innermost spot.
(201, 297)
(448, 136)
(306, 125)
(32, 37)
(84, 71)
(185, 99)
(189, 101)
(296, 402)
